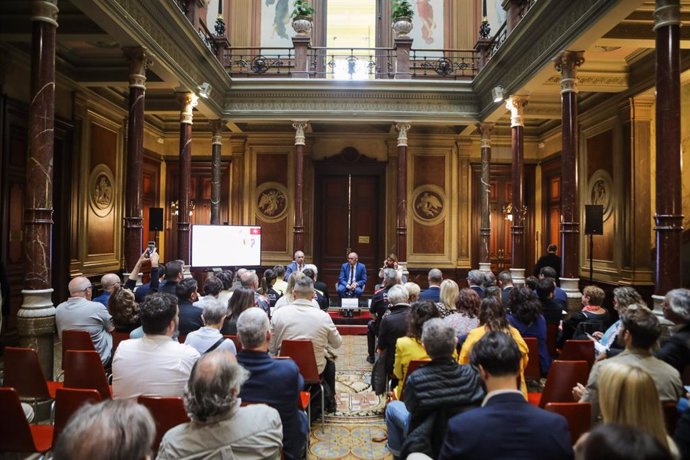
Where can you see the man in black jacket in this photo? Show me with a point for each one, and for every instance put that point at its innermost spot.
(393, 325)
(433, 394)
(378, 307)
(676, 349)
(550, 259)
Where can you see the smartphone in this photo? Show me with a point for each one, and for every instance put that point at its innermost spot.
(151, 246)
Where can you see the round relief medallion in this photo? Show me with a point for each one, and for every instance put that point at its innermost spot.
(271, 201)
(428, 204)
(101, 190)
(600, 191)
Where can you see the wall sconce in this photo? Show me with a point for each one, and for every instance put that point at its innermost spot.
(497, 93)
(508, 211)
(204, 90)
(175, 207)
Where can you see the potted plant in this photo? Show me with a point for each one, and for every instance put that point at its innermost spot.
(402, 14)
(302, 17)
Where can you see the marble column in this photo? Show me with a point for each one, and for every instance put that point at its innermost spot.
(567, 64)
(516, 106)
(485, 226)
(298, 228)
(669, 212)
(36, 317)
(135, 156)
(401, 230)
(217, 144)
(187, 103)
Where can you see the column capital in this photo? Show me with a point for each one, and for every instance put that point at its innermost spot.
(139, 61)
(402, 128)
(187, 103)
(516, 105)
(567, 63)
(485, 130)
(45, 11)
(300, 126)
(217, 128)
(666, 13)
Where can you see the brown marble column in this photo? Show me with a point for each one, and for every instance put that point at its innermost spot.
(135, 155)
(36, 317)
(187, 103)
(298, 228)
(669, 212)
(217, 144)
(401, 230)
(567, 63)
(485, 226)
(516, 105)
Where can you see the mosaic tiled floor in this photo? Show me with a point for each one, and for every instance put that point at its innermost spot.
(348, 433)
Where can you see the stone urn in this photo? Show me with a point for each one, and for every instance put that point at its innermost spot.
(402, 26)
(302, 25)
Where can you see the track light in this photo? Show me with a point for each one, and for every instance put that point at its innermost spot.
(204, 90)
(497, 93)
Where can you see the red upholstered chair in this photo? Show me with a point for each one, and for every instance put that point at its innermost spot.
(84, 369)
(551, 339)
(67, 401)
(16, 435)
(117, 338)
(563, 375)
(168, 412)
(533, 370)
(236, 341)
(578, 350)
(577, 414)
(23, 373)
(302, 352)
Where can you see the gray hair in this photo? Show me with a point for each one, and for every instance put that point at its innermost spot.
(475, 277)
(311, 267)
(214, 311)
(304, 286)
(678, 301)
(109, 280)
(249, 280)
(390, 276)
(213, 385)
(398, 294)
(505, 277)
(488, 279)
(115, 429)
(438, 338)
(412, 290)
(435, 275)
(252, 326)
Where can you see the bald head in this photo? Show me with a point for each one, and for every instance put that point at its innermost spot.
(80, 287)
(109, 281)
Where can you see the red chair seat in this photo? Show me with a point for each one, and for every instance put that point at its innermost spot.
(53, 387)
(16, 435)
(43, 437)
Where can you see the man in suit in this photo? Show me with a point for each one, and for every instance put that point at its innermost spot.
(352, 278)
(550, 259)
(475, 279)
(505, 282)
(276, 382)
(506, 426)
(296, 265)
(433, 292)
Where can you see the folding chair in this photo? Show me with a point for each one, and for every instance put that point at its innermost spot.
(562, 377)
(578, 350)
(236, 340)
(167, 412)
(23, 372)
(16, 434)
(533, 369)
(578, 415)
(67, 401)
(84, 369)
(302, 352)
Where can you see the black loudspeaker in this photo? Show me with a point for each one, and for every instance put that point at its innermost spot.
(155, 219)
(594, 219)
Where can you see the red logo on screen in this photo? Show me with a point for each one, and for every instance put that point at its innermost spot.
(255, 231)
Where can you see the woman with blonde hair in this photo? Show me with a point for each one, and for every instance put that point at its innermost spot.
(448, 295)
(630, 397)
(413, 290)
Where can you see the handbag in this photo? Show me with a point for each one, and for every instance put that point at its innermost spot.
(379, 376)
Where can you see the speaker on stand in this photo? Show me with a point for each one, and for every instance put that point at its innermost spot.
(594, 225)
(156, 222)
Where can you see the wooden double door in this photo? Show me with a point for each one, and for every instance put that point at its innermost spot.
(349, 217)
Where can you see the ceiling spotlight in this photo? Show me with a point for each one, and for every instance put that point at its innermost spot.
(497, 93)
(204, 90)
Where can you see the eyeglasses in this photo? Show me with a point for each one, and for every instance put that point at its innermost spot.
(88, 287)
(352, 258)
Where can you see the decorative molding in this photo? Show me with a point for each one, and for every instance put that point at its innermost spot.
(187, 103)
(600, 191)
(429, 204)
(596, 82)
(516, 105)
(667, 13)
(101, 190)
(271, 201)
(402, 133)
(567, 63)
(45, 11)
(299, 132)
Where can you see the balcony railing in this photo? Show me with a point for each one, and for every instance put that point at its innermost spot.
(259, 62)
(454, 64)
(351, 63)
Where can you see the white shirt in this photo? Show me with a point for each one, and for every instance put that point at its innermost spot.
(203, 339)
(154, 365)
(302, 320)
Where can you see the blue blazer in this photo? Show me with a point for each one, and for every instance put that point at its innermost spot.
(507, 427)
(290, 269)
(360, 275)
(432, 293)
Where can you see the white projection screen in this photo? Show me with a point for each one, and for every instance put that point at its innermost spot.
(226, 245)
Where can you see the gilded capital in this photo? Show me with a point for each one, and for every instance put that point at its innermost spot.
(217, 128)
(187, 103)
(516, 105)
(299, 131)
(402, 133)
(139, 61)
(485, 130)
(567, 63)
(667, 13)
(45, 11)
